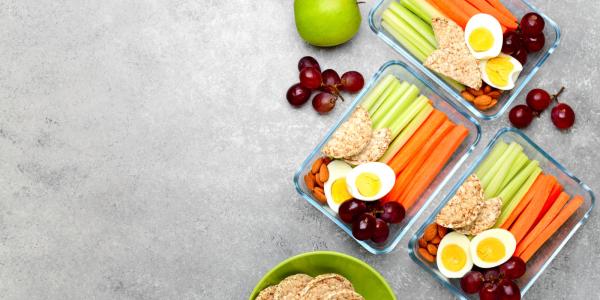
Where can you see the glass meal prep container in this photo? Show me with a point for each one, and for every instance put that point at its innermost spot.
(455, 113)
(542, 258)
(533, 64)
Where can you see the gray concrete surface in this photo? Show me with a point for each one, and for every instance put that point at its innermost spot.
(147, 150)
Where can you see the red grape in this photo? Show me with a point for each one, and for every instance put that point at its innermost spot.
(520, 116)
(381, 231)
(491, 275)
(513, 268)
(563, 116)
(521, 55)
(532, 24)
(331, 78)
(538, 100)
(350, 209)
(363, 227)
(297, 95)
(324, 102)
(489, 291)
(352, 81)
(471, 283)
(511, 42)
(308, 62)
(393, 212)
(534, 43)
(310, 78)
(508, 290)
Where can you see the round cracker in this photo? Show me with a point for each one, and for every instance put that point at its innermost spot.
(322, 284)
(486, 219)
(375, 148)
(351, 137)
(291, 286)
(267, 293)
(464, 207)
(343, 295)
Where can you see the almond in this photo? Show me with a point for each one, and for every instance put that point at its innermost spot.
(436, 240)
(487, 89)
(442, 231)
(318, 180)
(319, 194)
(323, 173)
(309, 179)
(430, 232)
(486, 107)
(422, 243)
(495, 94)
(326, 160)
(483, 100)
(426, 255)
(432, 249)
(468, 96)
(316, 166)
(475, 92)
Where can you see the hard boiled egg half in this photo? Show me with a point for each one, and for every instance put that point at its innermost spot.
(453, 255)
(483, 35)
(336, 191)
(501, 72)
(370, 181)
(492, 247)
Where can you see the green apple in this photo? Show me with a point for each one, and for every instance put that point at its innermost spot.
(327, 23)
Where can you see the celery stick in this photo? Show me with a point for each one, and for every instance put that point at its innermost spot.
(485, 181)
(376, 92)
(422, 9)
(406, 133)
(515, 184)
(510, 205)
(410, 47)
(389, 102)
(491, 159)
(424, 29)
(494, 187)
(390, 88)
(408, 114)
(399, 107)
(408, 31)
(516, 166)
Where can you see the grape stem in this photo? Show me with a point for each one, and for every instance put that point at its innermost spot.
(555, 97)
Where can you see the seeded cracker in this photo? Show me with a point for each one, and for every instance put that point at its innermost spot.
(351, 137)
(322, 284)
(375, 149)
(343, 295)
(464, 207)
(486, 219)
(267, 293)
(291, 286)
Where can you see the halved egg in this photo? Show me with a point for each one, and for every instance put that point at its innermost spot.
(453, 255)
(483, 35)
(370, 181)
(336, 190)
(492, 247)
(501, 72)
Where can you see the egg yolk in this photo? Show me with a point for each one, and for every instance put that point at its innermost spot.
(339, 191)
(498, 70)
(491, 250)
(453, 257)
(481, 39)
(368, 184)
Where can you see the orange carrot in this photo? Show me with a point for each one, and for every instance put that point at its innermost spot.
(485, 7)
(556, 191)
(414, 144)
(524, 223)
(454, 12)
(544, 222)
(502, 9)
(433, 165)
(413, 166)
(524, 202)
(465, 7)
(548, 231)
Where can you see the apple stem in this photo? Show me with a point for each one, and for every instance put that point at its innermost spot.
(555, 97)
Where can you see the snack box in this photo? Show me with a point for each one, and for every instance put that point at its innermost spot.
(454, 113)
(544, 256)
(534, 61)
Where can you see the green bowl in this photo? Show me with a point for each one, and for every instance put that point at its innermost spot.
(366, 280)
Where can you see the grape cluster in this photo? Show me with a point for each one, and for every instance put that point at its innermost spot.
(370, 219)
(328, 83)
(496, 283)
(538, 100)
(528, 38)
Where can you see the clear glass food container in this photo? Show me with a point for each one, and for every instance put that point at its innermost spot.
(454, 113)
(542, 258)
(534, 60)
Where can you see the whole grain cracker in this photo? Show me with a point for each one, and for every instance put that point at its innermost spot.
(375, 148)
(486, 219)
(464, 207)
(267, 293)
(322, 284)
(351, 137)
(291, 286)
(343, 295)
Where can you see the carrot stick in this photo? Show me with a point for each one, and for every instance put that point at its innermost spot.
(452, 11)
(560, 219)
(502, 9)
(485, 7)
(544, 222)
(524, 223)
(433, 165)
(524, 202)
(465, 7)
(556, 191)
(414, 144)
(413, 166)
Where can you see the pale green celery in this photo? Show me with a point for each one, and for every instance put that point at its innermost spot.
(424, 29)
(406, 133)
(485, 180)
(453, 83)
(516, 166)
(422, 9)
(410, 47)
(388, 90)
(408, 114)
(399, 107)
(491, 159)
(376, 91)
(495, 185)
(510, 205)
(515, 184)
(408, 31)
(388, 103)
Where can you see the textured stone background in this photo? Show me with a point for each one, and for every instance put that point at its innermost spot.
(147, 150)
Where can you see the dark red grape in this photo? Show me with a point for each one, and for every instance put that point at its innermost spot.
(508, 290)
(520, 116)
(532, 24)
(352, 81)
(538, 100)
(308, 62)
(521, 55)
(511, 42)
(392, 212)
(562, 116)
(310, 78)
(491, 275)
(381, 231)
(331, 78)
(297, 95)
(513, 268)
(472, 282)
(324, 102)
(363, 227)
(534, 43)
(489, 291)
(351, 209)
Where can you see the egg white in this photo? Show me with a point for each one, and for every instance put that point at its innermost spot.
(384, 172)
(512, 77)
(504, 236)
(491, 24)
(337, 169)
(463, 242)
